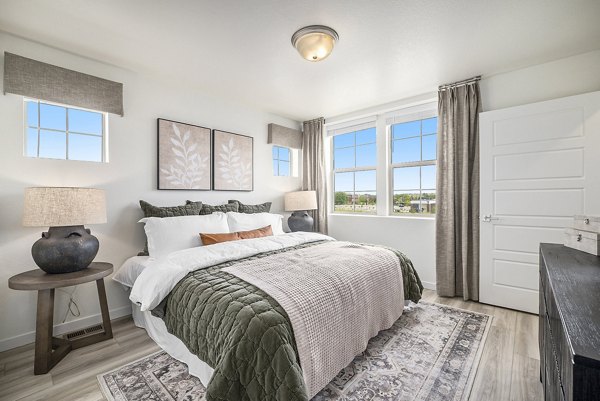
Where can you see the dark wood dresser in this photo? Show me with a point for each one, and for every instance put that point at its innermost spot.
(569, 324)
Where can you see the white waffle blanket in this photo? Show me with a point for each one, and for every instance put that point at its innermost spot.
(337, 295)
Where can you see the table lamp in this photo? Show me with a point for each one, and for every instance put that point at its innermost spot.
(67, 246)
(299, 203)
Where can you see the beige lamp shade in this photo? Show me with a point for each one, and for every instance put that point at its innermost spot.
(60, 206)
(300, 200)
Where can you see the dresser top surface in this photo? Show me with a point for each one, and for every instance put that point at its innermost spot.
(574, 278)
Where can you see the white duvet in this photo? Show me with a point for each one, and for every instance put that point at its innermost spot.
(161, 275)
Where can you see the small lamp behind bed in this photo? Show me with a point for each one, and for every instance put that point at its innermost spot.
(299, 203)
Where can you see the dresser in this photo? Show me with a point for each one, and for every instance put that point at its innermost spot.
(569, 323)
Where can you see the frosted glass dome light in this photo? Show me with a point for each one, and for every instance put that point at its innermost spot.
(315, 42)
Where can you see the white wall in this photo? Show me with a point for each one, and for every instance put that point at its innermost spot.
(416, 237)
(130, 176)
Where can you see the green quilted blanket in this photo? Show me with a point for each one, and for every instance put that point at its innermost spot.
(243, 333)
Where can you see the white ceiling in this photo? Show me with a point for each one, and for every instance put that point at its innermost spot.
(388, 49)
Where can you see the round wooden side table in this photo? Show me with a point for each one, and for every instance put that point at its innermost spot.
(49, 350)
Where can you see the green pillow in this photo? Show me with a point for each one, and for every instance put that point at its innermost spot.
(210, 209)
(250, 209)
(189, 209)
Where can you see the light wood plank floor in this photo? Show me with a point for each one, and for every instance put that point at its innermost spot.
(508, 370)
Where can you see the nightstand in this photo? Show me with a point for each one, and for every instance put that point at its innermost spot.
(49, 350)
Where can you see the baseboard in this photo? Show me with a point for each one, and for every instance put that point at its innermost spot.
(429, 285)
(62, 328)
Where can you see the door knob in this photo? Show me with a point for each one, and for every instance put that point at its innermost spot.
(488, 218)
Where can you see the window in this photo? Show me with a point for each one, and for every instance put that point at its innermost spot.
(60, 132)
(281, 161)
(413, 164)
(354, 172)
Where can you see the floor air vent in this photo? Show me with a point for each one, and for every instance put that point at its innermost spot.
(98, 328)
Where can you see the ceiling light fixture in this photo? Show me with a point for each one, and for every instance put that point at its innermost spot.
(315, 42)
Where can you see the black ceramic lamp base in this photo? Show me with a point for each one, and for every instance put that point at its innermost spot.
(65, 249)
(300, 221)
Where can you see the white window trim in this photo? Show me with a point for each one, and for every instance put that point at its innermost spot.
(25, 119)
(384, 168)
(418, 163)
(346, 129)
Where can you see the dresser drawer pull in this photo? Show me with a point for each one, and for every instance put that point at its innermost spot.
(579, 237)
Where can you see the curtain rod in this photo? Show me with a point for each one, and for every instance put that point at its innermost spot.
(459, 83)
(314, 119)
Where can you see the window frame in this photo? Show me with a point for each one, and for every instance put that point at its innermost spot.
(103, 136)
(349, 130)
(419, 163)
(289, 161)
(382, 118)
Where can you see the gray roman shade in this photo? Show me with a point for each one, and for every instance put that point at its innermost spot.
(31, 78)
(284, 136)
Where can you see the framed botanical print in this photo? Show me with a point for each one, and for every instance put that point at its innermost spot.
(184, 156)
(233, 163)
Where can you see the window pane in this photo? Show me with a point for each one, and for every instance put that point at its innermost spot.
(429, 126)
(406, 202)
(284, 154)
(53, 144)
(342, 141)
(406, 130)
(365, 202)
(32, 114)
(342, 202)
(406, 150)
(32, 142)
(428, 202)
(344, 182)
(428, 177)
(85, 121)
(406, 178)
(429, 147)
(275, 152)
(343, 158)
(85, 147)
(54, 117)
(366, 155)
(365, 180)
(284, 168)
(365, 136)
(275, 167)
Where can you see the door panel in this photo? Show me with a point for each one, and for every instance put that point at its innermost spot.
(539, 202)
(539, 167)
(524, 238)
(550, 164)
(516, 274)
(535, 127)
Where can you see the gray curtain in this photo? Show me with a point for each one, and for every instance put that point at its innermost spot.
(457, 216)
(313, 169)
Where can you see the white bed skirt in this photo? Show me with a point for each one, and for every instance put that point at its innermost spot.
(172, 345)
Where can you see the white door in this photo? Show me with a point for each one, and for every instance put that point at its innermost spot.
(540, 165)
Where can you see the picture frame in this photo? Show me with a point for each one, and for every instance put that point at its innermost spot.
(184, 156)
(233, 161)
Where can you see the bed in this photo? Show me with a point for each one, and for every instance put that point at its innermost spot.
(273, 318)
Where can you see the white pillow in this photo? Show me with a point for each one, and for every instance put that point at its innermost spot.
(170, 234)
(252, 221)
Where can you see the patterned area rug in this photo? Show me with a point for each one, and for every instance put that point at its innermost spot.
(430, 354)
